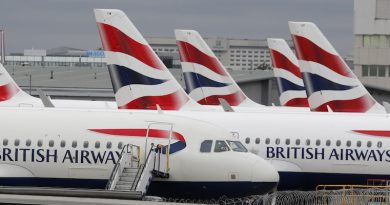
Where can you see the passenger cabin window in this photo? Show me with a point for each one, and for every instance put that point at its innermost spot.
(97, 144)
(277, 141)
(85, 144)
(205, 146)
(247, 140)
(109, 145)
(318, 142)
(120, 145)
(28, 142)
(379, 145)
(62, 143)
(51, 143)
(287, 141)
(267, 141)
(297, 142)
(257, 141)
(307, 142)
(221, 146)
(359, 143)
(328, 143)
(17, 142)
(237, 146)
(74, 144)
(40, 143)
(349, 143)
(338, 143)
(5, 142)
(369, 144)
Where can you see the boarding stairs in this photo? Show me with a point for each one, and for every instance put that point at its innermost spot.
(130, 175)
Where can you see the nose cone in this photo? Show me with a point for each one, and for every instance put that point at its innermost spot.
(263, 171)
(265, 178)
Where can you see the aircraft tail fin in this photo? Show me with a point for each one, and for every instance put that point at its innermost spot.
(140, 80)
(287, 73)
(206, 78)
(10, 91)
(328, 79)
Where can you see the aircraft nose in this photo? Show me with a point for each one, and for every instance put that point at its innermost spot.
(263, 171)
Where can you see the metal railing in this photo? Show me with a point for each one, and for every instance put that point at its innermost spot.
(358, 195)
(126, 157)
(144, 174)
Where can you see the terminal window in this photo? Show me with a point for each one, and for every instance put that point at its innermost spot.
(382, 9)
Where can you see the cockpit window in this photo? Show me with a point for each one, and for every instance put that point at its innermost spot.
(221, 146)
(206, 146)
(237, 146)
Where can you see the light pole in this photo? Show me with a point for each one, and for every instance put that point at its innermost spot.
(30, 77)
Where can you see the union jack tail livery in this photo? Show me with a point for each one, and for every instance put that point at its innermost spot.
(205, 77)
(11, 94)
(329, 82)
(288, 76)
(140, 80)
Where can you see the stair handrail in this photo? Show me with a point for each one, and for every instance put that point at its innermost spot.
(116, 170)
(142, 168)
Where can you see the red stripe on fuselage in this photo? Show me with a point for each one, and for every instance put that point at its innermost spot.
(233, 99)
(309, 51)
(297, 102)
(115, 40)
(173, 101)
(189, 53)
(141, 132)
(282, 62)
(361, 105)
(7, 91)
(377, 133)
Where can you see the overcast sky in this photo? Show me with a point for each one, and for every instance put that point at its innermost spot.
(52, 23)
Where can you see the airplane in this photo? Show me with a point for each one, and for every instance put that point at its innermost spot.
(288, 76)
(79, 149)
(11, 95)
(307, 148)
(207, 80)
(330, 83)
(205, 77)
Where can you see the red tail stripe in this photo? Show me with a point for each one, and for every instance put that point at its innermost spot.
(117, 41)
(297, 102)
(189, 53)
(140, 132)
(233, 99)
(173, 101)
(281, 61)
(378, 133)
(362, 104)
(7, 91)
(309, 51)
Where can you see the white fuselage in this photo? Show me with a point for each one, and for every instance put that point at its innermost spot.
(53, 147)
(311, 144)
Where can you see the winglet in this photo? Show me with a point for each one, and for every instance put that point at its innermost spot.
(225, 105)
(387, 106)
(45, 100)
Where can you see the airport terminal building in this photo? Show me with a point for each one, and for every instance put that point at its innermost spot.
(372, 43)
